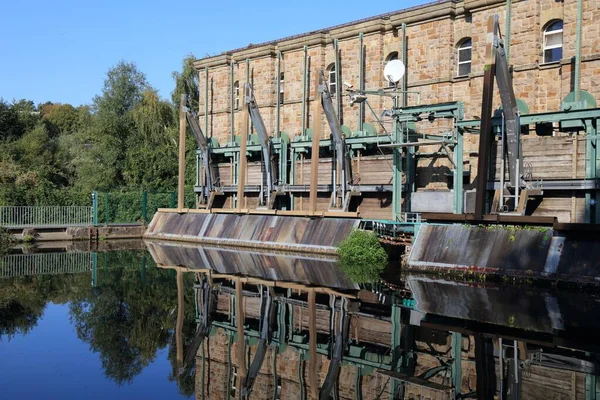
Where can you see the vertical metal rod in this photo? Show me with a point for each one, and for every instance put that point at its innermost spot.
(507, 30)
(232, 103)
(241, 172)
(314, 158)
(94, 208)
(182, 128)
(241, 344)
(206, 102)
(105, 208)
(516, 360)
(338, 84)
(304, 83)
(312, 343)
(501, 362)
(485, 136)
(404, 60)
(578, 52)
(277, 94)
(242, 94)
(502, 172)
(361, 80)
(180, 318)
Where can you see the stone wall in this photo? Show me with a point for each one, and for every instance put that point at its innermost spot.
(433, 33)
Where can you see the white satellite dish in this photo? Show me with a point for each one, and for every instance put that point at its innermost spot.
(394, 71)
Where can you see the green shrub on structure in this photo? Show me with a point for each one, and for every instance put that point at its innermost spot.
(6, 240)
(362, 257)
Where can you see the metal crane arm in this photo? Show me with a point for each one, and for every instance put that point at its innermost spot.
(342, 155)
(202, 144)
(510, 109)
(263, 136)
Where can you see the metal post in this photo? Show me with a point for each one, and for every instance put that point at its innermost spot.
(458, 171)
(304, 78)
(206, 102)
(590, 387)
(507, 30)
(314, 157)
(241, 172)
(338, 84)
(485, 135)
(361, 81)
(231, 103)
(173, 201)
(105, 208)
(94, 269)
(278, 91)
(95, 208)
(145, 206)
(396, 345)
(404, 60)
(591, 170)
(397, 171)
(457, 363)
(578, 52)
(242, 96)
(181, 177)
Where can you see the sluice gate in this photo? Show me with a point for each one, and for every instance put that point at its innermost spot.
(528, 252)
(317, 235)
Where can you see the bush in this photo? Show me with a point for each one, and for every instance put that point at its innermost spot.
(6, 240)
(362, 257)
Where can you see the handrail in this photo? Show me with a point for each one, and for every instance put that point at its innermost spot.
(37, 216)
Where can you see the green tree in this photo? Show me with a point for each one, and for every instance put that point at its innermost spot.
(186, 82)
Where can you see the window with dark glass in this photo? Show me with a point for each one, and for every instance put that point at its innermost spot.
(553, 42)
(464, 57)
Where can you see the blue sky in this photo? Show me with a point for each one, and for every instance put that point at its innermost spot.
(60, 51)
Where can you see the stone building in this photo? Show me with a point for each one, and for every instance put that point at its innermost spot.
(444, 57)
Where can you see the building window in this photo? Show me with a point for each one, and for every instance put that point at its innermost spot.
(331, 80)
(464, 57)
(390, 57)
(281, 91)
(236, 95)
(553, 42)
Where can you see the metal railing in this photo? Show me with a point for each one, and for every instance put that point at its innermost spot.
(45, 264)
(37, 216)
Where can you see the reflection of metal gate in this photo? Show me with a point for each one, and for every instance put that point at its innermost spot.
(45, 264)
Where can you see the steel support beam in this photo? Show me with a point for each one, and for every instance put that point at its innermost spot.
(485, 139)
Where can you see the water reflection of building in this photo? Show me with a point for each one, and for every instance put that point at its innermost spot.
(303, 341)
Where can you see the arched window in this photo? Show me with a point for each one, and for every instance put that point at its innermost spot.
(236, 94)
(553, 41)
(281, 82)
(392, 56)
(331, 80)
(464, 48)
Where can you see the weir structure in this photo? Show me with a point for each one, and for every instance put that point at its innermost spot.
(417, 162)
(407, 164)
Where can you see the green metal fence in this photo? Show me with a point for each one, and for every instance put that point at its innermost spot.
(35, 216)
(133, 207)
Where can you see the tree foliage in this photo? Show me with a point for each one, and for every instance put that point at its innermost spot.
(127, 139)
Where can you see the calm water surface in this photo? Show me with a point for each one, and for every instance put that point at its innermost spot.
(163, 322)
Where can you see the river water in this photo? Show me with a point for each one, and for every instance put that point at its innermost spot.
(167, 321)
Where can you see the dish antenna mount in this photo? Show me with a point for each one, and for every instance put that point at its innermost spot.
(394, 71)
